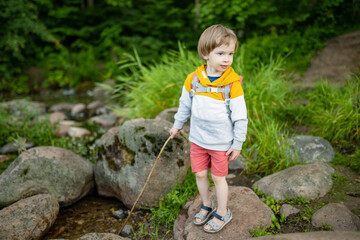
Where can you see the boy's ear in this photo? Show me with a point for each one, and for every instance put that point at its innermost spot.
(206, 57)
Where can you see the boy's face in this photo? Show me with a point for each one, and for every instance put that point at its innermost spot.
(219, 59)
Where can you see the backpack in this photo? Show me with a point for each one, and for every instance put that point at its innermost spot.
(224, 90)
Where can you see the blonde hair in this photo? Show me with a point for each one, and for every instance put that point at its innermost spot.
(213, 37)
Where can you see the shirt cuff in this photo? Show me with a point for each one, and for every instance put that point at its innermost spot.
(178, 124)
(237, 145)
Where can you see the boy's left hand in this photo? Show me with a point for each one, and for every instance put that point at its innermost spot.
(233, 154)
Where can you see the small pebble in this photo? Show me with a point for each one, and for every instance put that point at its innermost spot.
(126, 231)
(119, 214)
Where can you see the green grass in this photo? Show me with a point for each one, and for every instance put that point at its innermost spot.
(171, 204)
(13, 127)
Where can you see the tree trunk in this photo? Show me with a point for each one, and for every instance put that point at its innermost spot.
(90, 3)
(197, 14)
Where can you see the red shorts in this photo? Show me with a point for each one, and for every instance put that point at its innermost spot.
(202, 159)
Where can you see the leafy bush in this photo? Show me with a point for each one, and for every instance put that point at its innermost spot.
(65, 69)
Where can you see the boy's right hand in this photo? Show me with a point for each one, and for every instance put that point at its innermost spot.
(174, 132)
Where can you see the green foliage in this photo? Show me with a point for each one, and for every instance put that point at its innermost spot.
(20, 31)
(161, 82)
(340, 120)
(267, 94)
(36, 30)
(5, 165)
(65, 69)
(258, 232)
(333, 112)
(143, 233)
(351, 160)
(171, 204)
(12, 127)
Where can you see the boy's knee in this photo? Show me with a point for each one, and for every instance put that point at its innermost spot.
(202, 174)
(217, 179)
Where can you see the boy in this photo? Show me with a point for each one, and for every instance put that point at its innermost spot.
(217, 126)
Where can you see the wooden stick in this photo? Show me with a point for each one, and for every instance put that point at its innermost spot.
(147, 181)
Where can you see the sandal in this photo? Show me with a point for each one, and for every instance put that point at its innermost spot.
(216, 228)
(206, 217)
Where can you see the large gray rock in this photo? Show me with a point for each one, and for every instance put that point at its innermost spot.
(29, 218)
(323, 235)
(92, 107)
(309, 181)
(248, 211)
(127, 154)
(22, 107)
(102, 236)
(310, 149)
(78, 111)
(62, 107)
(52, 170)
(338, 216)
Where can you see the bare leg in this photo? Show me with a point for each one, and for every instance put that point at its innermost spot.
(222, 190)
(202, 183)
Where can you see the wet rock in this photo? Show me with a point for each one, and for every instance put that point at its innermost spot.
(56, 171)
(78, 111)
(62, 107)
(126, 231)
(22, 107)
(29, 218)
(56, 117)
(310, 149)
(102, 236)
(14, 147)
(338, 216)
(62, 130)
(92, 107)
(107, 120)
(77, 132)
(128, 153)
(68, 91)
(248, 211)
(120, 214)
(309, 181)
(103, 111)
(323, 235)
(288, 210)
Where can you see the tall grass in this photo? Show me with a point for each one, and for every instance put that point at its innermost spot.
(267, 94)
(150, 89)
(336, 111)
